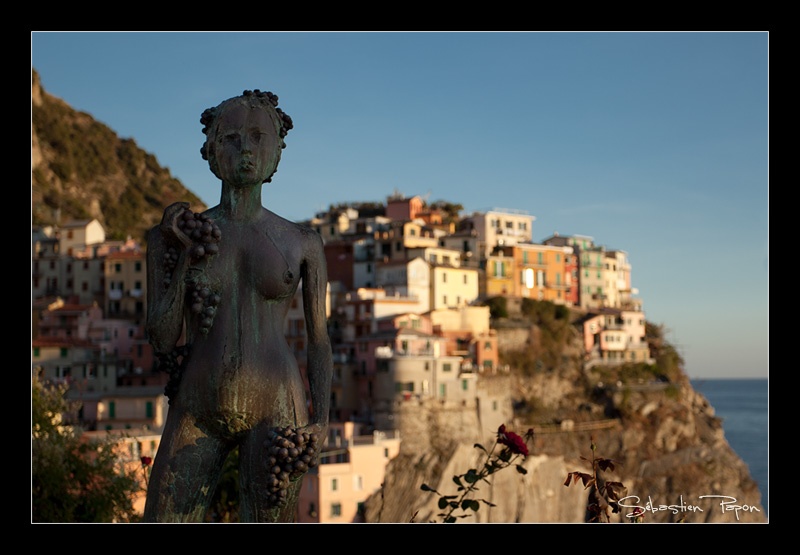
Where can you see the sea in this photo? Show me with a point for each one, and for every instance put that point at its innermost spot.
(743, 406)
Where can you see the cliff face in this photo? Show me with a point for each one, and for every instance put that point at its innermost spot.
(80, 169)
(669, 451)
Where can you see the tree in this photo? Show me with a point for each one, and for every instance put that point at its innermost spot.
(74, 479)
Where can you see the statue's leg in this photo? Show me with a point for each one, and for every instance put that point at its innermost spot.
(257, 496)
(185, 472)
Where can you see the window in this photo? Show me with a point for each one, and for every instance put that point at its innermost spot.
(64, 352)
(447, 367)
(334, 484)
(37, 354)
(336, 509)
(112, 409)
(465, 279)
(401, 387)
(464, 385)
(499, 270)
(358, 482)
(148, 409)
(118, 268)
(444, 277)
(528, 278)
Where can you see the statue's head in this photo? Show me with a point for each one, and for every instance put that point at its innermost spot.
(254, 100)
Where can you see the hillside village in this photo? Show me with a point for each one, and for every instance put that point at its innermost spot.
(411, 310)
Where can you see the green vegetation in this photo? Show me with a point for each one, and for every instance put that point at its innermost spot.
(498, 307)
(552, 333)
(84, 161)
(74, 480)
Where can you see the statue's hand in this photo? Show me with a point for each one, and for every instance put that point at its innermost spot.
(169, 224)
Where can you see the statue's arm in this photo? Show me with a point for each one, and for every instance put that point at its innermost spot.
(166, 288)
(320, 360)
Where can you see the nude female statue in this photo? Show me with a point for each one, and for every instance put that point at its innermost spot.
(219, 287)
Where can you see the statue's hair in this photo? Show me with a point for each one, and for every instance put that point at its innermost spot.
(255, 97)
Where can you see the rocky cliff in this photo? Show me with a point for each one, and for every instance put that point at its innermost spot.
(80, 169)
(668, 447)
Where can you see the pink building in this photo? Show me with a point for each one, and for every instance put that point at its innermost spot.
(352, 468)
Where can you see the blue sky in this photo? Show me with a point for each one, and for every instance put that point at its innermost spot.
(652, 143)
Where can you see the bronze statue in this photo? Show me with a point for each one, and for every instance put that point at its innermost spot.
(219, 287)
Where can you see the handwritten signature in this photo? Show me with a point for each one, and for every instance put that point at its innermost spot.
(727, 504)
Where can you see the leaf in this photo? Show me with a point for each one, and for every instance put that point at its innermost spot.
(426, 487)
(521, 469)
(466, 504)
(442, 503)
(606, 464)
(615, 490)
(449, 519)
(474, 505)
(471, 476)
(481, 447)
(488, 503)
(457, 480)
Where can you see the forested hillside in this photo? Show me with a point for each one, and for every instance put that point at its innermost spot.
(81, 169)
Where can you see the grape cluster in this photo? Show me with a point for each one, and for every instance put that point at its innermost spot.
(290, 454)
(202, 230)
(172, 364)
(170, 261)
(203, 302)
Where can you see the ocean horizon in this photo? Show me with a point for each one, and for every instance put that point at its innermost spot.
(743, 406)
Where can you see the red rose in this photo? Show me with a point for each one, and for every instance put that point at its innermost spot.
(511, 440)
(147, 461)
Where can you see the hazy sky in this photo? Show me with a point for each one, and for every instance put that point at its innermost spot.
(651, 143)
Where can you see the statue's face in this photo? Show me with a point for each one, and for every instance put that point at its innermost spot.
(247, 145)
